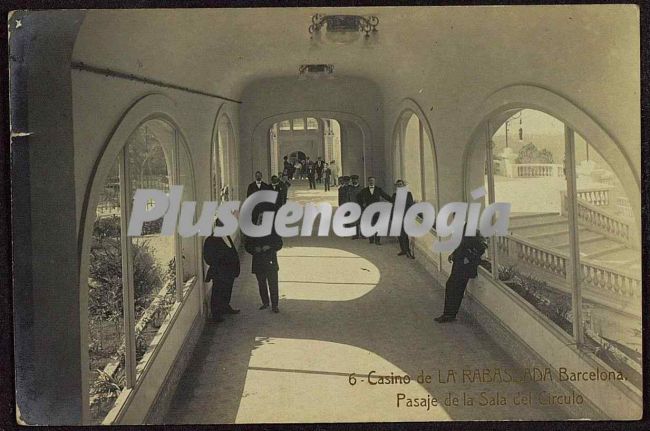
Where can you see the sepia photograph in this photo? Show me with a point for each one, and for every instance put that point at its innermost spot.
(326, 215)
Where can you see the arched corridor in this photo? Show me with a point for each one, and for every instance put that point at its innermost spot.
(116, 113)
(345, 307)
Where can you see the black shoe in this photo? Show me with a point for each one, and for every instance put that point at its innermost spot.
(410, 255)
(276, 310)
(264, 306)
(401, 253)
(445, 318)
(230, 310)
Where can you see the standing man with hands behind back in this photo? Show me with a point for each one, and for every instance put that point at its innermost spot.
(222, 258)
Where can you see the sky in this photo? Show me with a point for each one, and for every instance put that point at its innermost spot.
(534, 123)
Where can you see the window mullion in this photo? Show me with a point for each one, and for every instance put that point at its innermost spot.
(492, 251)
(178, 249)
(423, 188)
(128, 296)
(573, 274)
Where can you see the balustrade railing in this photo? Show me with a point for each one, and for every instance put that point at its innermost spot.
(597, 278)
(624, 207)
(532, 170)
(603, 222)
(596, 197)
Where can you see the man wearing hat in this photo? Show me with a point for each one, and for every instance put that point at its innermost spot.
(353, 190)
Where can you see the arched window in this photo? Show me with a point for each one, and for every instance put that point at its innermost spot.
(133, 281)
(414, 158)
(571, 227)
(222, 185)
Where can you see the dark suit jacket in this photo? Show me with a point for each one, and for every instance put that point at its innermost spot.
(264, 261)
(281, 188)
(467, 256)
(409, 200)
(365, 198)
(252, 188)
(343, 195)
(223, 261)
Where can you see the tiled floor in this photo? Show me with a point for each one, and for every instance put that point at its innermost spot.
(346, 307)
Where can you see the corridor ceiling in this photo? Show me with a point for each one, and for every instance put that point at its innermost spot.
(452, 49)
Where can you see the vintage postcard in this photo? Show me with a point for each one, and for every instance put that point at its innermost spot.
(326, 214)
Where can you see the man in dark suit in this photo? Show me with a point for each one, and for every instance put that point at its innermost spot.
(353, 190)
(265, 266)
(222, 258)
(311, 175)
(404, 245)
(257, 185)
(466, 259)
(281, 188)
(368, 196)
(343, 189)
(318, 166)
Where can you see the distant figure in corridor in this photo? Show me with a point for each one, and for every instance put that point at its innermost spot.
(327, 177)
(222, 258)
(265, 266)
(343, 189)
(311, 175)
(404, 243)
(257, 185)
(335, 172)
(352, 190)
(466, 259)
(319, 166)
(281, 188)
(369, 196)
(287, 168)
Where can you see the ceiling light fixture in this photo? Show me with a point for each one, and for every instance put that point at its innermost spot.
(342, 29)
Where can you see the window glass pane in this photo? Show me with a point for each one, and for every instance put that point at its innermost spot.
(429, 170)
(610, 261)
(412, 168)
(224, 157)
(188, 245)
(312, 124)
(529, 173)
(285, 125)
(105, 312)
(214, 171)
(298, 124)
(150, 158)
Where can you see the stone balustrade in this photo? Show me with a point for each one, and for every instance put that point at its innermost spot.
(598, 197)
(594, 277)
(534, 170)
(624, 207)
(603, 222)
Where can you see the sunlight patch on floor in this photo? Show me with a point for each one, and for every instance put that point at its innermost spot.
(297, 380)
(325, 274)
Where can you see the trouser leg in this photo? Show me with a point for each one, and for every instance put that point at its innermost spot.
(227, 291)
(272, 277)
(404, 245)
(214, 299)
(454, 291)
(261, 284)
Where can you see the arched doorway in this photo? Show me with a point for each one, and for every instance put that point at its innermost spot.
(297, 155)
